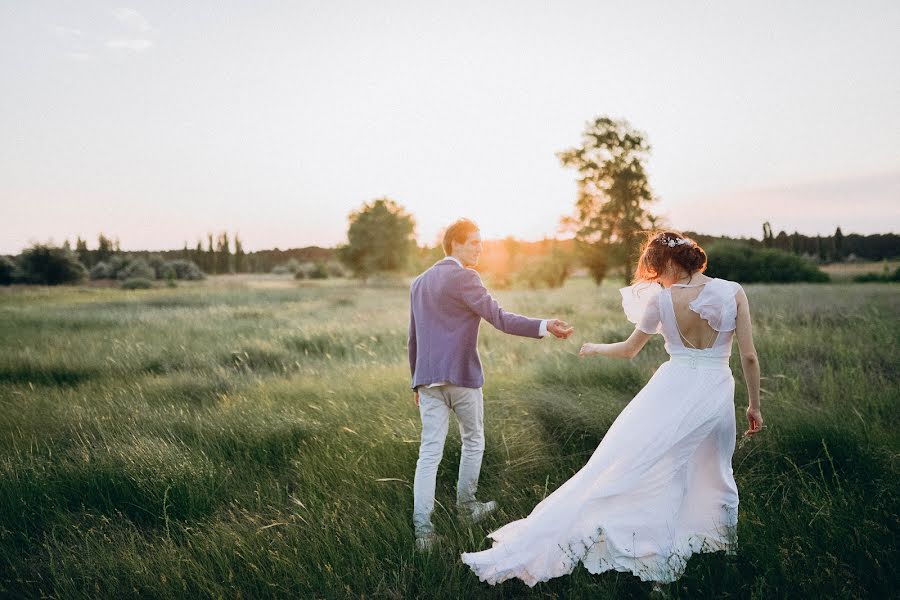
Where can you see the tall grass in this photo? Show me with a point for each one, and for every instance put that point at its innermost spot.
(234, 441)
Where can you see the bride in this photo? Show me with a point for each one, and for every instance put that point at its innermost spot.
(659, 487)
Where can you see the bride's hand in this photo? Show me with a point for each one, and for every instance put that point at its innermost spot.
(588, 350)
(754, 420)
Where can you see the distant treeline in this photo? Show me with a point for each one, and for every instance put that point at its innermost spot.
(220, 255)
(223, 254)
(822, 249)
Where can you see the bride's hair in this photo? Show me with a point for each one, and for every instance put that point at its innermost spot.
(664, 248)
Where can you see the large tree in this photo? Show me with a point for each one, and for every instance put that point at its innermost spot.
(613, 192)
(381, 237)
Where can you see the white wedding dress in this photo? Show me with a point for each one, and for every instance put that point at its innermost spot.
(659, 487)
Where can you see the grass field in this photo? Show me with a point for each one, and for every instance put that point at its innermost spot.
(254, 437)
(844, 272)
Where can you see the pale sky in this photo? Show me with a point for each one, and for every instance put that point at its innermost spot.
(157, 122)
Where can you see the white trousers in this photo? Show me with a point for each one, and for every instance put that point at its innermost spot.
(435, 404)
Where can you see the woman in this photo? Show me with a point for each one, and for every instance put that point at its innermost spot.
(660, 486)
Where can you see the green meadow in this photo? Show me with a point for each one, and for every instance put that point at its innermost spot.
(252, 437)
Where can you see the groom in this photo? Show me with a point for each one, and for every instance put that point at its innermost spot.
(447, 303)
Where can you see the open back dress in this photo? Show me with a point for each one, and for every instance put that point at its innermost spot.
(660, 486)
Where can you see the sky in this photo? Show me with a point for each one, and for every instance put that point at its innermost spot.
(159, 122)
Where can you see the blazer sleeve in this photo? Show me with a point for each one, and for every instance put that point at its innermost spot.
(411, 345)
(476, 297)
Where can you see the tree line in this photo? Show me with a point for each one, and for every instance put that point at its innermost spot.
(611, 214)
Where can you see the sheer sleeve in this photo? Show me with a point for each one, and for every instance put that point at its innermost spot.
(641, 304)
(717, 304)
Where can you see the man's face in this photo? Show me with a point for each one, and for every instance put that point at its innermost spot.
(469, 251)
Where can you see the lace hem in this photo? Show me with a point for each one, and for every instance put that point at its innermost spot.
(598, 555)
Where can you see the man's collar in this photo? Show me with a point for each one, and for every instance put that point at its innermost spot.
(454, 259)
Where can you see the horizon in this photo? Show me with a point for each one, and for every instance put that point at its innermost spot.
(92, 244)
(154, 122)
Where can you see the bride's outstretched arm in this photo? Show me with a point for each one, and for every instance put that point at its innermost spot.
(627, 349)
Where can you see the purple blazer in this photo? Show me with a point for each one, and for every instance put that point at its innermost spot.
(447, 303)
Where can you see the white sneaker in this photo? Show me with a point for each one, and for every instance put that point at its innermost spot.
(477, 511)
(427, 542)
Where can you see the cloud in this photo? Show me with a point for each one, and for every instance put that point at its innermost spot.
(133, 45)
(78, 56)
(132, 19)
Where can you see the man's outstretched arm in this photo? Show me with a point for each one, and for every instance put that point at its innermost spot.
(476, 297)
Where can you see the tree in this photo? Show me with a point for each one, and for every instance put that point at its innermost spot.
(210, 255)
(223, 253)
(238, 255)
(380, 238)
(104, 248)
(198, 256)
(613, 191)
(49, 265)
(768, 238)
(7, 270)
(839, 244)
(84, 255)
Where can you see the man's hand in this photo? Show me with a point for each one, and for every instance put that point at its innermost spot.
(417, 397)
(560, 329)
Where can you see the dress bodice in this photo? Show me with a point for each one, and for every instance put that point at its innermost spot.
(649, 306)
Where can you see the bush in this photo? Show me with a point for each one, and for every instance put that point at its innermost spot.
(137, 269)
(158, 264)
(291, 266)
(49, 265)
(116, 264)
(185, 269)
(317, 271)
(311, 271)
(7, 270)
(550, 270)
(125, 266)
(137, 283)
(101, 270)
(335, 269)
(885, 276)
(746, 264)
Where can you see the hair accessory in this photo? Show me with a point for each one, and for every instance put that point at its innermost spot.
(671, 242)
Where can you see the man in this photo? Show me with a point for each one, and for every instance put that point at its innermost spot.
(447, 304)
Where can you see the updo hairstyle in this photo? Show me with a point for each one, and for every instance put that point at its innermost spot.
(663, 249)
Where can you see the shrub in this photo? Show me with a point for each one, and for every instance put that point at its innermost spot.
(101, 270)
(125, 266)
(7, 270)
(137, 269)
(884, 276)
(291, 266)
(116, 264)
(335, 269)
(185, 269)
(137, 283)
(550, 270)
(49, 265)
(158, 264)
(740, 262)
(317, 271)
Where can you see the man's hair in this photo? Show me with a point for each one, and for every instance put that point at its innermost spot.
(459, 231)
